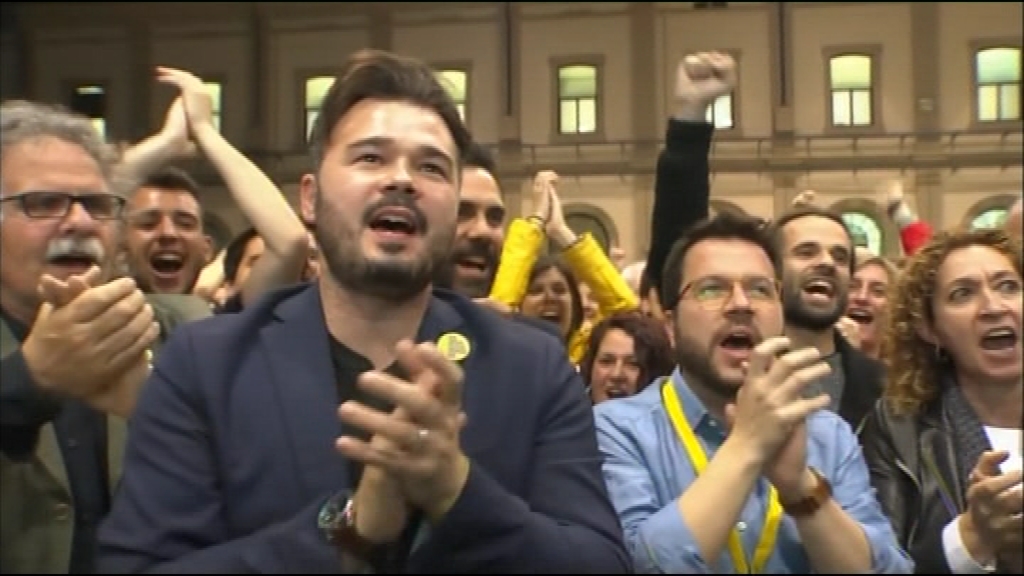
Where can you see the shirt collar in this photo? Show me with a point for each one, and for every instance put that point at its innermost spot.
(700, 420)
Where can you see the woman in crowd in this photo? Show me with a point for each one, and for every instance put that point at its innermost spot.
(626, 352)
(869, 288)
(547, 288)
(944, 443)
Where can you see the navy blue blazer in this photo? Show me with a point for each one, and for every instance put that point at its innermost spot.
(231, 452)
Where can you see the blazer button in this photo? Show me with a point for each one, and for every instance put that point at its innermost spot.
(61, 512)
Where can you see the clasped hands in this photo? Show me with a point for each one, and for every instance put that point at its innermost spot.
(768, 419)
(992, 527)
(91, 340)
(413, 459)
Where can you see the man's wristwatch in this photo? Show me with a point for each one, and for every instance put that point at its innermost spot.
(337, 522)
(808, 505)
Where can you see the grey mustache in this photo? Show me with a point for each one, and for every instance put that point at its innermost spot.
(75, 247)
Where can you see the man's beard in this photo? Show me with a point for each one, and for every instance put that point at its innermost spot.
(476, 248)
(696, 365)
(390, 280)
(800, 315)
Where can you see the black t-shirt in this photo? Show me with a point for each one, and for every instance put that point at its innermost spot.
(348, 366)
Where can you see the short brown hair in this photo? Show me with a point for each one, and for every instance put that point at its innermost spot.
(375, 74)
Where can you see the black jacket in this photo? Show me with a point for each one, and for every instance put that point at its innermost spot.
(913, 461)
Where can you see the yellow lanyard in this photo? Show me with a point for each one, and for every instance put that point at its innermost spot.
(699, 460)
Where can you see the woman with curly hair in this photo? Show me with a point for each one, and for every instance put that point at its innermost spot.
(944, 442)
(627, 351)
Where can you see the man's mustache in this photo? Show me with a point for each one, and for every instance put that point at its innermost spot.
(72, 247)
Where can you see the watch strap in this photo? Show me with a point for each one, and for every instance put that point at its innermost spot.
(337, 522)
(811, 503)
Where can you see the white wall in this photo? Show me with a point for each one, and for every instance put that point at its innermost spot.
(546, 38)
(218, 55)
(300, 49)
(817, 28)
(961, 25)
(64, 60)
(743, 32)
(474, 45)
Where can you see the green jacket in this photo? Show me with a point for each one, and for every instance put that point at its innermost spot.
(36, 509)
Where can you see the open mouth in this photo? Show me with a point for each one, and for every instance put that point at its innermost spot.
(74, 260)
(820, 289)
(738, 340)
(473, 264)
(167, 263)
(394, 221)
(860, 315)
(998, 339)
(551, 316)
(616, 392)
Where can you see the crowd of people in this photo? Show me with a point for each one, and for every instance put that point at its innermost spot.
(400, 376)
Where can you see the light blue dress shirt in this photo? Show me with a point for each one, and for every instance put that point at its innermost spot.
(647, 469)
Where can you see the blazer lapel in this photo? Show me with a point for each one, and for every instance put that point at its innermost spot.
(48, 450)
(302, 376)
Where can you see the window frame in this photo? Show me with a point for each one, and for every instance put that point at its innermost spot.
(72, 85)
(976, 47)
(874, 52)
(557, 63)
(302, 75)
(221, 80)
(466, 67)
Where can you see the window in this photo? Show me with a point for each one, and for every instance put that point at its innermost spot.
(456, 82)
(865, 231)
(720, 113)
(316, 89)
(215, 90)
(991, 218)
(850, 78)
(577, 99)
(90, 100)
(998, 83)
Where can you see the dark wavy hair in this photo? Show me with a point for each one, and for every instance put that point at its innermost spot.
(651, 346)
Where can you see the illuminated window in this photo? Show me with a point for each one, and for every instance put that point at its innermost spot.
(720, 114)
(90, 100)
(998, 84)
(992, 218)
(456, 82)
(577, 99)
(865, 231)
(316, 89)
(216, 91)
(850, 81)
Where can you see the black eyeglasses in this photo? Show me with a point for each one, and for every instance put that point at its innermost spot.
(57, 204)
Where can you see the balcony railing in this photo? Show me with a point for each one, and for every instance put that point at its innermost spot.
(945, 150)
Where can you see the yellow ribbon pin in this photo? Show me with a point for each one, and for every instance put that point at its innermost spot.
(453, 346)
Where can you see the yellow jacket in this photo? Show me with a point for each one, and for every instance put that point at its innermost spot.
(587, 261)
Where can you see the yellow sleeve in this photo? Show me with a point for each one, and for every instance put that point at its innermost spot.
(522, 246)
(607, 286)
(578, 343)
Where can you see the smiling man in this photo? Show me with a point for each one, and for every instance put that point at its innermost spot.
(480, 232)
(816, 255)
(164, 239)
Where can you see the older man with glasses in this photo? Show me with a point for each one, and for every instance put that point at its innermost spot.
(75, 343)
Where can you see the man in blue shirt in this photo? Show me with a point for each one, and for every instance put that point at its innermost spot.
(727, 466)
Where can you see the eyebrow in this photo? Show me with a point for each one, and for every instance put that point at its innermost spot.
(973, 279)
(423, 149)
